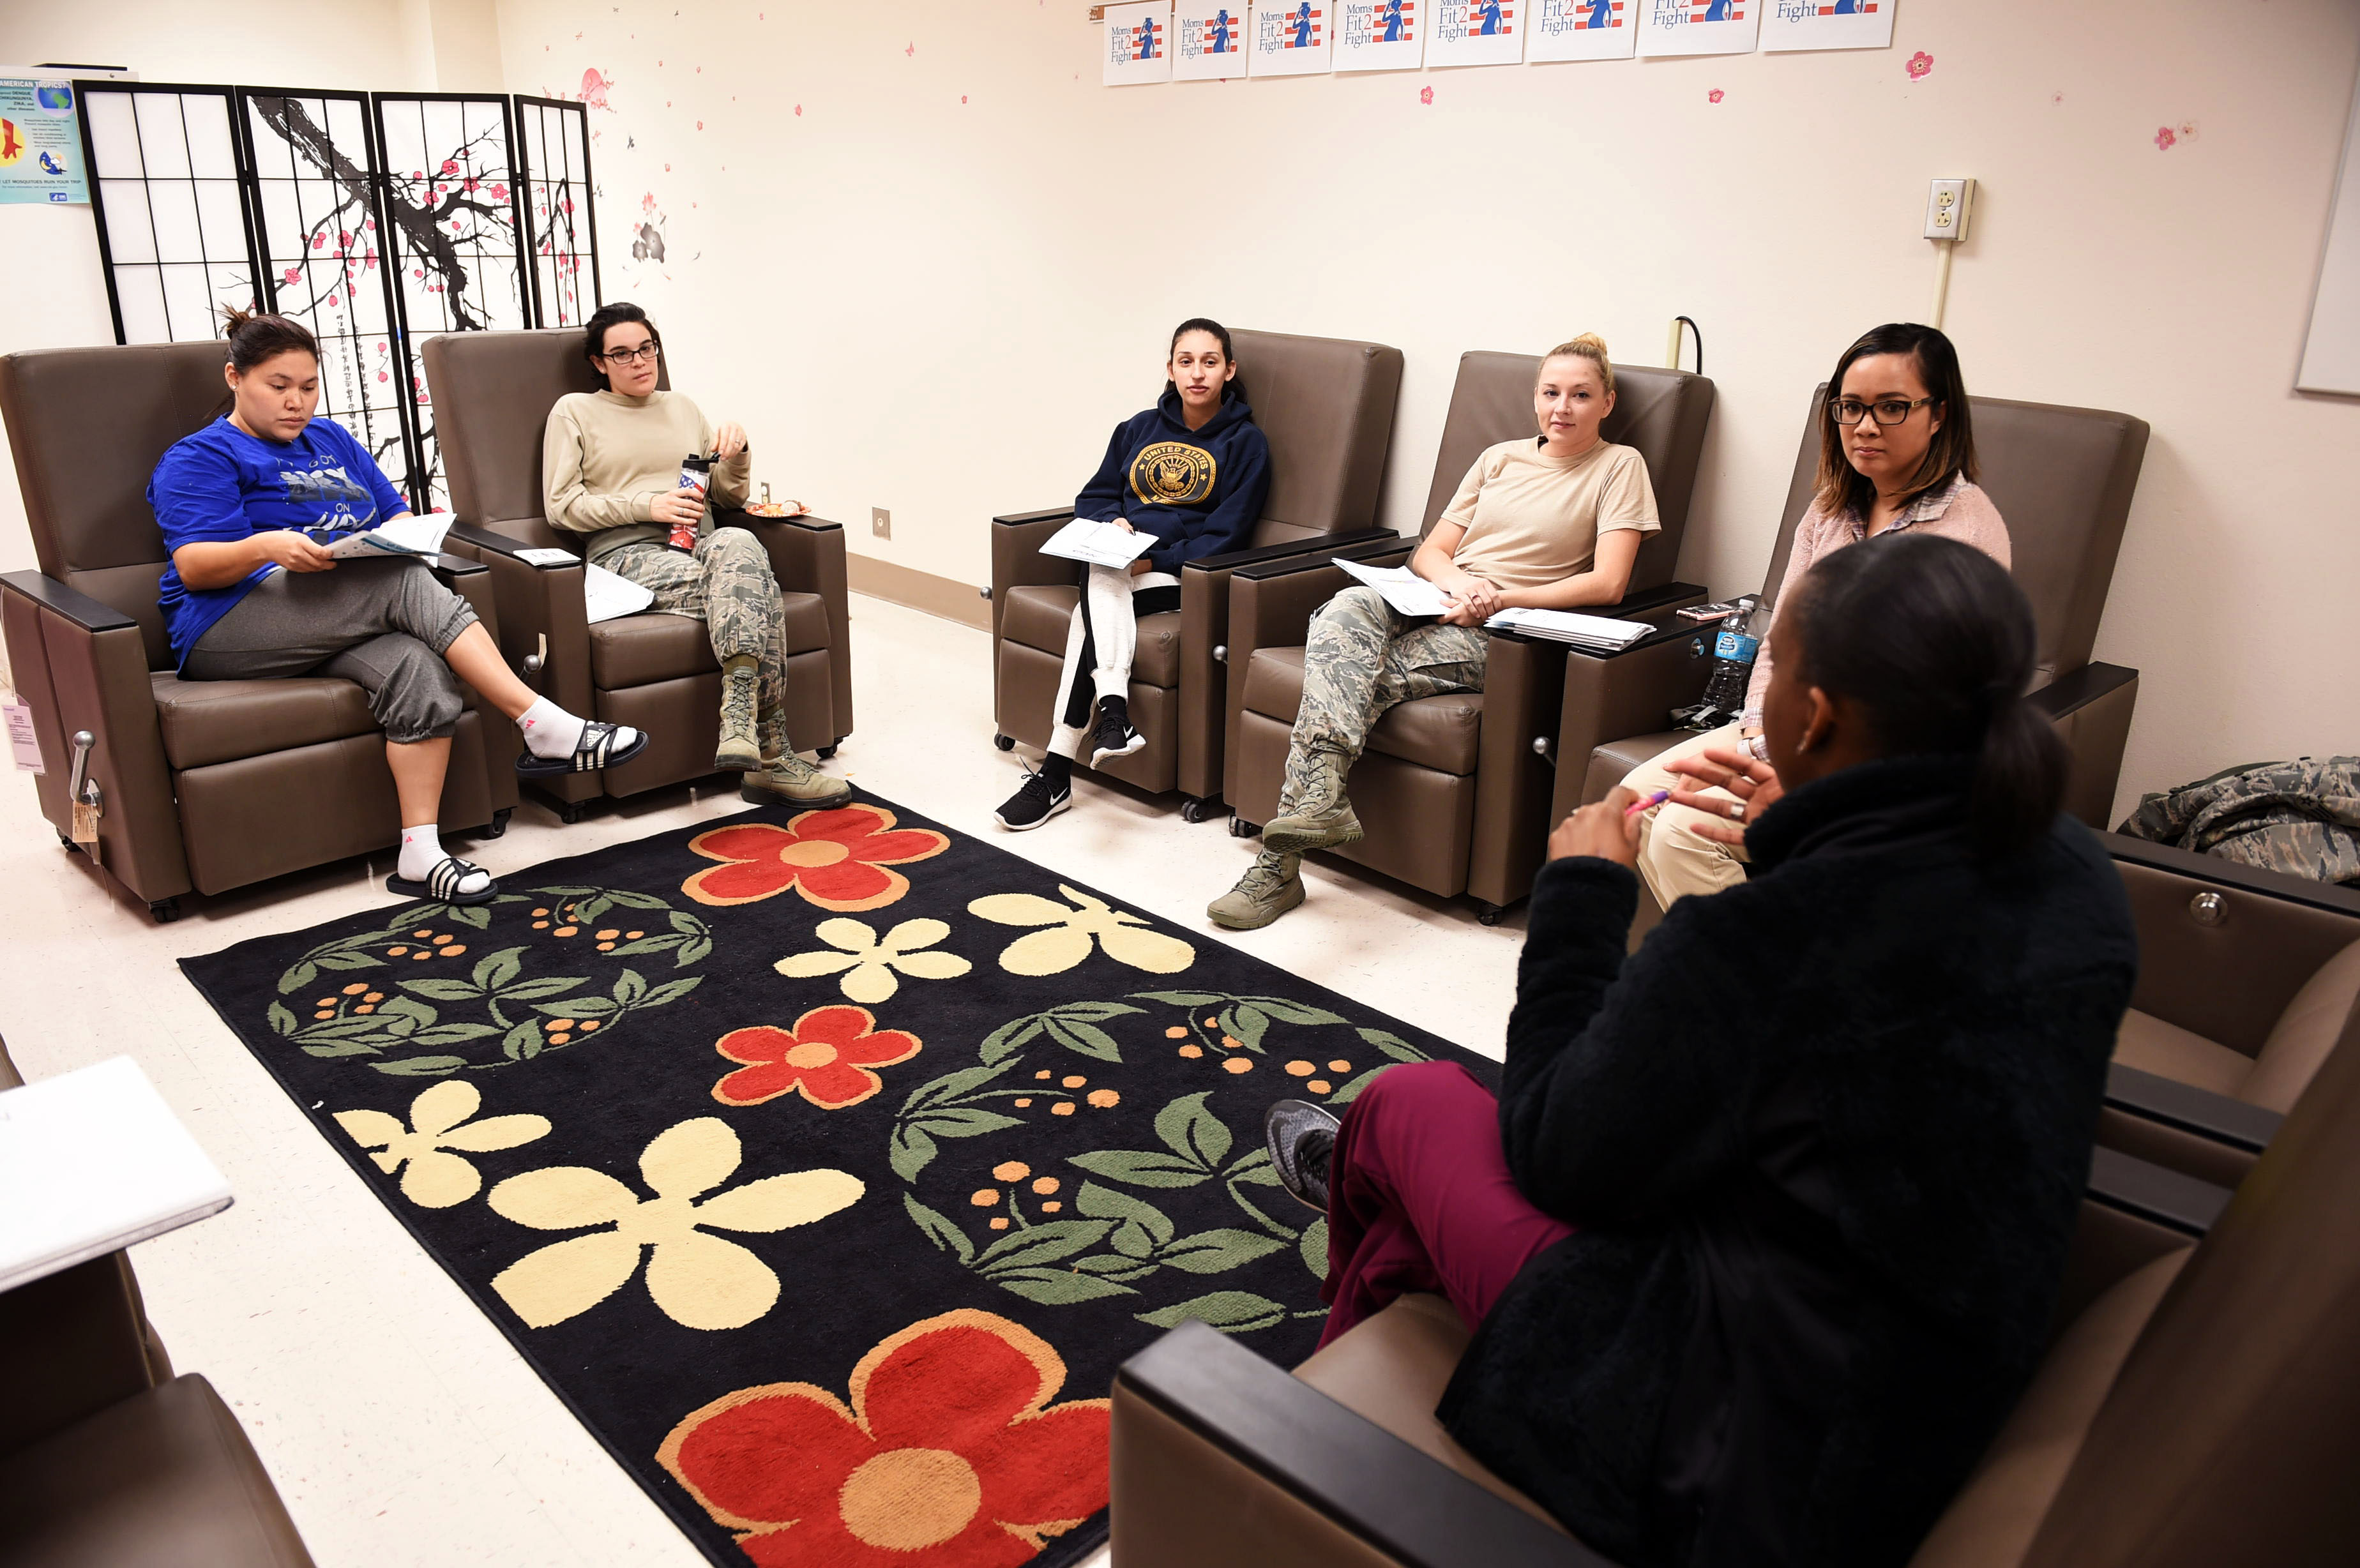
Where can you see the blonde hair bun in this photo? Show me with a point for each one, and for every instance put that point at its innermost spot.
(1589, 346)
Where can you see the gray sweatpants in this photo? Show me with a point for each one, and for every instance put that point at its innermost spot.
(382, 625)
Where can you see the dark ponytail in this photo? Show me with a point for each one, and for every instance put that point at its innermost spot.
(254, 338)
(1937, 644)
(1236, 387)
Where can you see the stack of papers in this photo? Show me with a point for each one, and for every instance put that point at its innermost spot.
(1599, 633)
(1100, 543)
(412, 535)
(606, 596)
(1410, 594)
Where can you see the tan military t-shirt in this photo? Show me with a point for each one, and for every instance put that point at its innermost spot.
(1532, 520)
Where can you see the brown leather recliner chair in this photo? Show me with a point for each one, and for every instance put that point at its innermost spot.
(492, 395)
(1451, 789)
(106, 1459)
(2061, 477)
(207, 785)
(2201, 1405)
(2249, 980)
(1326, 406)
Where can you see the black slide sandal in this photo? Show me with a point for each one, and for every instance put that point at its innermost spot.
(595, 749)
(442, 884)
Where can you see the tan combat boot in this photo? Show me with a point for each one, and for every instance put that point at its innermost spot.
(1272, 885)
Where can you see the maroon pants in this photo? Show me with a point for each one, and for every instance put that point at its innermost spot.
(1419, 1198)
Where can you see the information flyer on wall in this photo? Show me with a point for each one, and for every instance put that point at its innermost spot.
(1826, 25)
(1295, 39)
(1380, 35)
(40, 140)
(1699, 27)
(1583, 29)
(1209, 42)
(1478, 32)
(1137, 44)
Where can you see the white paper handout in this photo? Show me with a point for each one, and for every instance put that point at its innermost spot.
(1788, 24)
(609, 596)
(1584, 29)
(1209, 42)
(1699, 27)
(1478, 32)
(1380, 35)
(1404, 590)
(1100, 543)
(412, 535)
(1603, 632)
(1294, 38)
(1137, 46)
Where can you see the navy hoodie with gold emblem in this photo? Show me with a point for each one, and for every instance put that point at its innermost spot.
(1199, 492)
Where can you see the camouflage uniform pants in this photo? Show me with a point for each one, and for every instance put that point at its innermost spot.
(1363, 657)
(727, 584)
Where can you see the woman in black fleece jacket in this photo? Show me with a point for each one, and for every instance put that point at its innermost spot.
(1793, 1184)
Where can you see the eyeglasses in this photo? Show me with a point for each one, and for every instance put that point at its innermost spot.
(1888, 410)
(644, 354)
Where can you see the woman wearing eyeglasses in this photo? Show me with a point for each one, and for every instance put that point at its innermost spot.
(1896, 454)
(611, 469)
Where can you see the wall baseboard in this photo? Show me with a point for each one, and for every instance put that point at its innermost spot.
(960, 602)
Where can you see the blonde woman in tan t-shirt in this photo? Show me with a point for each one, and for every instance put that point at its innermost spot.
(1550, 522)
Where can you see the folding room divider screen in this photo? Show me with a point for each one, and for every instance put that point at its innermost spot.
(376, 219)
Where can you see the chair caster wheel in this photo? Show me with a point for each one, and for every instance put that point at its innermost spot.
(829, 749)
(499, 821)
(1489, 914)
(571, 812)
(165, 911)
(1201, 809)
(1240, 828)
(66, 841)
(1005, 743)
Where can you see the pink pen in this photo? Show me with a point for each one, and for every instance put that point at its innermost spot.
(1648, 804)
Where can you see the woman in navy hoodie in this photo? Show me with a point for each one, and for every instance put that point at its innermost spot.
(1192, 473)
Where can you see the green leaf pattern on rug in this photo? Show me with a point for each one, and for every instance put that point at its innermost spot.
(402, 1027)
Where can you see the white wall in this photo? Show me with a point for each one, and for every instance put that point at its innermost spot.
(937, 286)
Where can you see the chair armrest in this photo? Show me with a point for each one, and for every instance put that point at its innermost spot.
(79, 609)
(78, 1342)
(1271, 606)
(541, 614)
(1220, 1457)
(808, 556)
(82, 666)
(1045, 515)
(1017, 562)
(2173, 861)
(2092, 709)
(2069, 694)
(2153, 1194)
(1234, 559)
(1610, 696)
(2189, 1109)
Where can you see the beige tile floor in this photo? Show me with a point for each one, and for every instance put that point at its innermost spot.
(398, 1422)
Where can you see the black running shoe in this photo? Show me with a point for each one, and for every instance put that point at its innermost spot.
(1114, 737)
(1300, 1138)
(1034, 803)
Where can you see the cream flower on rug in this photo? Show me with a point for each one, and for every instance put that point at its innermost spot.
(1066, 942)
(438, 1179)
(868, 963)
(699, 1281)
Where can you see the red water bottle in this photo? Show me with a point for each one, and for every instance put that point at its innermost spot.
(696, 478)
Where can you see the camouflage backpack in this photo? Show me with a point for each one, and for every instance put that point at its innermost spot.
(2300, 817)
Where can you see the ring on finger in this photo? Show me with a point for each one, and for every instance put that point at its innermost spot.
(1737, 809)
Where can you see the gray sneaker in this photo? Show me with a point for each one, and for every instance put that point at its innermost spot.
(1272, 885)
(1301, 1137)
(791, 781)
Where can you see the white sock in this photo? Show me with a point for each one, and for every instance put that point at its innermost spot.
(549, 730)
(421, 851)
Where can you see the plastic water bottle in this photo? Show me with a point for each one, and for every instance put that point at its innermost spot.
(1733, 647)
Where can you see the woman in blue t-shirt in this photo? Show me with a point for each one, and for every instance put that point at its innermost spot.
(252, 594)
(1191, 473)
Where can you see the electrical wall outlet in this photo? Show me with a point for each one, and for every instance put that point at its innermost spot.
(880, 522)
(1947, 209)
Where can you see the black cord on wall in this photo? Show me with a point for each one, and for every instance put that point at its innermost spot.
(1695, 332)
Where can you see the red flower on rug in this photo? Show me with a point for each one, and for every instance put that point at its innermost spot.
(826, 1057)
(950, 1455)
(839, 859)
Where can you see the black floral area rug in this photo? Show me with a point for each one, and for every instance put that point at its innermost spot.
(827, 1164)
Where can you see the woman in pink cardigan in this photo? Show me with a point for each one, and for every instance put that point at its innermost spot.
(1896, 452)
